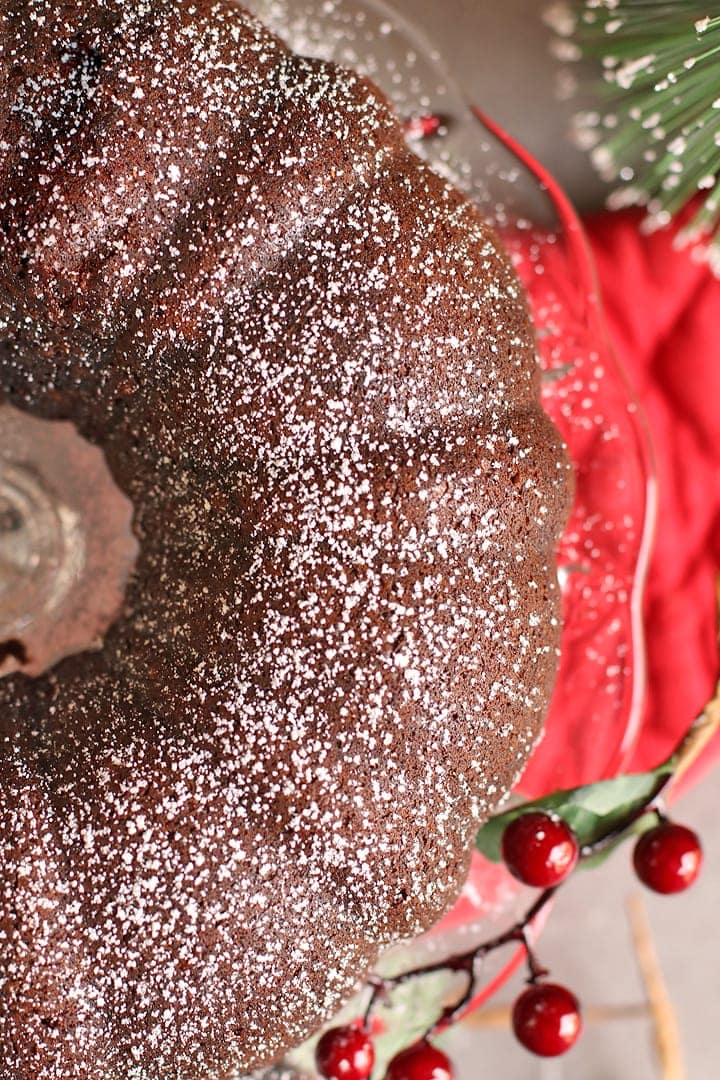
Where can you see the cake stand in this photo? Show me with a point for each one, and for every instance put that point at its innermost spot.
(597, 707)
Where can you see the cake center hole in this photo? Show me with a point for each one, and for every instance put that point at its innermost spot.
(66, 543)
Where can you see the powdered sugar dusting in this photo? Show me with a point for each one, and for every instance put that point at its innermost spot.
(310, 368)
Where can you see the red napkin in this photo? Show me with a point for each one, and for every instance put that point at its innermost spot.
(663, 312)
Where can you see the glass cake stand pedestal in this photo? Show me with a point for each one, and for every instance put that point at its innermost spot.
(596, 710)
(67, 546)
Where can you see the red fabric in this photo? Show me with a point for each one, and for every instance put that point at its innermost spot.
(663, 311)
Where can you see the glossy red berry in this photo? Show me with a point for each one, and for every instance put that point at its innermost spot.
(668, 858)
(539, 849)
(546, 1019)
(420, 1062)
(345, 1053)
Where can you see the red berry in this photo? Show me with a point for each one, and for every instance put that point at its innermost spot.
(539, 850)
(546, 1019)
(422, 127)
(345, 1053)
(668, 858)
(420, 1062)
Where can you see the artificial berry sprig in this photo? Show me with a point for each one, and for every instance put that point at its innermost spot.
(542, 843)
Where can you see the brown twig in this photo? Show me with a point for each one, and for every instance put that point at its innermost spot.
(609, 838)
(665, 1025)
(500, 1016)
(705, 728)
(468, 962)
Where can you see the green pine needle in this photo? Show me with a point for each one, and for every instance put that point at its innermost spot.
(661, 93)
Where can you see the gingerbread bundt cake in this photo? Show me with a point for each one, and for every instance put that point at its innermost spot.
(310, 368)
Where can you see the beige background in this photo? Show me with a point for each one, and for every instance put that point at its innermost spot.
(500, 51)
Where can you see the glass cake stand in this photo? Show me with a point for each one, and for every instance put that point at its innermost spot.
(596, 710)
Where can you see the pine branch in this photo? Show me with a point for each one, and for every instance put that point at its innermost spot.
(660, 93)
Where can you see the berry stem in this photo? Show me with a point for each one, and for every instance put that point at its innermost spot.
(535, 968)
(653, 805)
(470, 963)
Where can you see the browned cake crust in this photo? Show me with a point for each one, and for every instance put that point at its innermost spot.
(311, 369)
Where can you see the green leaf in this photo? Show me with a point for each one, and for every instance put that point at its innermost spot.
(640, 825)
(592, 812)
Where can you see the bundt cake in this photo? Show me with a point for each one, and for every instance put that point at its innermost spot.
(310, 367)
